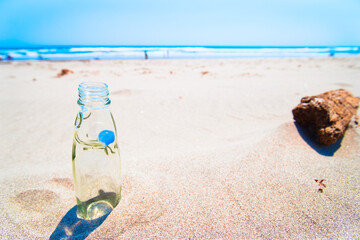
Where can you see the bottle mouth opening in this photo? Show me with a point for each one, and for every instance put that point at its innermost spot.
(93, 86)
(93, 92)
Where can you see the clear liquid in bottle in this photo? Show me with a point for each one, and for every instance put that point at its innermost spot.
(95, 154)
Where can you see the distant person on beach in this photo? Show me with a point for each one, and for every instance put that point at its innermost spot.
(8, 57)
(146, 55)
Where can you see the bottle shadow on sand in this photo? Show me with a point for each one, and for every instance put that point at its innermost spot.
(72, 227)
(327, 151)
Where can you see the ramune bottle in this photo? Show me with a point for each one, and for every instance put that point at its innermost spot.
(95, 153)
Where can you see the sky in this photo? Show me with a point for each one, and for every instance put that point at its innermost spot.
(26, 23)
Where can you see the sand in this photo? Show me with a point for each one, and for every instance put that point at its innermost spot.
(209, 150)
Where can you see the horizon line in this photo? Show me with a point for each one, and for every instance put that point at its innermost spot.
(175, 46)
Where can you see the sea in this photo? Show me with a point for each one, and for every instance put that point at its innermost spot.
(170, 52)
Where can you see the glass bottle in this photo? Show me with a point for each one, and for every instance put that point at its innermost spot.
(95, 153)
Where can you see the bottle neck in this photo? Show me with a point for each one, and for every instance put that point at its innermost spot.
(93, 95)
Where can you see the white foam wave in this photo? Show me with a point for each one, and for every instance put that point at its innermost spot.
(171, 52)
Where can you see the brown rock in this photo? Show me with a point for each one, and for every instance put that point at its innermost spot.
(64, 72)
(327, 115)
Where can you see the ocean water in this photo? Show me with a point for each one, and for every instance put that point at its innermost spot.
(164, 52)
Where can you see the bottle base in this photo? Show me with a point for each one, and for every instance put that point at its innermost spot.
(97, 207)
(95, 210)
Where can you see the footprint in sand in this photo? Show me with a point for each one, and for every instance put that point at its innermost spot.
(63, 182)
(36, 205)
(123, 92)
(35, 200)
(343, 84)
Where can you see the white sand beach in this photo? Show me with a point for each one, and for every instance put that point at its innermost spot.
(209, 149)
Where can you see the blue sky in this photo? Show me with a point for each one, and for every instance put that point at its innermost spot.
(186, 22)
